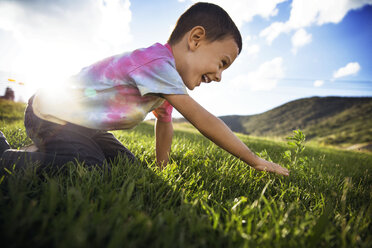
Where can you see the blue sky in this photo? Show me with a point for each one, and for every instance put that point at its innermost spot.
(291, 49)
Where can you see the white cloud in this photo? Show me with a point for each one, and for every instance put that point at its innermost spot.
(252, 50)
(266, 77)
(59, 37)
(274, 30)
(306, 13)
(299, 39)
(318, 83)
(351, 68)
(243, 11)
(248, 38)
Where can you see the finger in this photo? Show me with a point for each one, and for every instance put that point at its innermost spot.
(280, 170)
(283, 171)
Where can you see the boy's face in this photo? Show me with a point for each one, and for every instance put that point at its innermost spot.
(207, 60)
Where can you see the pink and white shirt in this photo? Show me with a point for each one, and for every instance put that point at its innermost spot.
(117, 92)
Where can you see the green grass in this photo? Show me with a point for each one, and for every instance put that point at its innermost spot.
(204, 198)
(11, 111)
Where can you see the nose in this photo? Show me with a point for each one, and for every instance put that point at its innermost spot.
(218, 76)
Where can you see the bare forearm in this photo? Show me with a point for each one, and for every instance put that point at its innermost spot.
(217, 131)
(163, 134)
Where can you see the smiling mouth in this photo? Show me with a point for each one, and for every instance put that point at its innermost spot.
(205, 79)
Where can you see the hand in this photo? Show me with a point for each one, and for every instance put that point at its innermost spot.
(263, 165)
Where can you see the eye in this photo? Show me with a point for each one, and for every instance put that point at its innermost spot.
(223, 63)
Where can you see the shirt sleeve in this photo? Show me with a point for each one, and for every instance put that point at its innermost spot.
(164, 112)
(158, 77)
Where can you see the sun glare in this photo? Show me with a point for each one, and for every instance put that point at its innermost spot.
(49, 47)
(46, 65)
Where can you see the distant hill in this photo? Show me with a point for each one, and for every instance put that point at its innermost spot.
(329, 120)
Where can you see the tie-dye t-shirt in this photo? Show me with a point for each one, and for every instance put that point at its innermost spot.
(115, 93)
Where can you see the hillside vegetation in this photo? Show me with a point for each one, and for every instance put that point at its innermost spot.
(11, 111)
(328, 120)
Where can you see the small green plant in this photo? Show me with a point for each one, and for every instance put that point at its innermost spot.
(263, 154)
(296, 144)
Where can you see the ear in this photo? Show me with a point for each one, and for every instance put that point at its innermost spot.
(196, 35)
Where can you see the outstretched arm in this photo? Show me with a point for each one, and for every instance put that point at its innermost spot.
(217, 131)
(163, 140)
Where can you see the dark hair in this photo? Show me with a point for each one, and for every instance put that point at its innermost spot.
(215, 20)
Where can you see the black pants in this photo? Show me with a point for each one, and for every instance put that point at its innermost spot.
(59, 144)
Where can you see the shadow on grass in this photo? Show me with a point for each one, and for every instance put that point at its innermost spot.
(130, 206)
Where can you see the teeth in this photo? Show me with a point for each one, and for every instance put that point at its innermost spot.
(205, 79)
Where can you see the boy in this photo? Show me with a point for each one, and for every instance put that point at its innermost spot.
(118, 92)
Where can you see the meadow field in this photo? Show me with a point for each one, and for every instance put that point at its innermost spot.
(204, 198)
